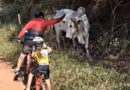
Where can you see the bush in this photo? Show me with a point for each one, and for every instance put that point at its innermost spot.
(9, 13)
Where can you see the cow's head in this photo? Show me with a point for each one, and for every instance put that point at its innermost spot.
(70, 29)
(75, 27)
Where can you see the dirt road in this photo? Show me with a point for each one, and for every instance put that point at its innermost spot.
(6, 78)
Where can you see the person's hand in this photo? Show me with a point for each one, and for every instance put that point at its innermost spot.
(44, 45)
(18, 41)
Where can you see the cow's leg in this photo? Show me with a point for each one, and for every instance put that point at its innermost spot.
(74, 43)
(58, 38)
(86, 46)
(57, 31)
(63, 33)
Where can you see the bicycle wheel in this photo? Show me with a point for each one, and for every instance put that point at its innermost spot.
(40, 87)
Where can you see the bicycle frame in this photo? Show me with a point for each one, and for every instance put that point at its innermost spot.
(27, 66)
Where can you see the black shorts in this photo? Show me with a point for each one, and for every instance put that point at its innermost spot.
(27, 47)
(42, 68)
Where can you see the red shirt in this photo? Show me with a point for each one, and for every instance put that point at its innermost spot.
(37, 25)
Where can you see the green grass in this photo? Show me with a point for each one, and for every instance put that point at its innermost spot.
(67, 73)
(8, 48)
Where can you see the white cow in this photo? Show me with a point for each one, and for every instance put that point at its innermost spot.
(70, 23)
(79, 29)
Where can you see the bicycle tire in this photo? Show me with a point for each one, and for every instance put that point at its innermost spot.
(40, 87)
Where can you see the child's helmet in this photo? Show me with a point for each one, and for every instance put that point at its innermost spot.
(38, 41)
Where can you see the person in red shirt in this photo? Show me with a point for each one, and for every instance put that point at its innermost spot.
(32, 29)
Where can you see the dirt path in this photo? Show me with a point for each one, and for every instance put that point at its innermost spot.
(6, 78)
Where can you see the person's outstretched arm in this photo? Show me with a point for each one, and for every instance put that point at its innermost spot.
(52, 22)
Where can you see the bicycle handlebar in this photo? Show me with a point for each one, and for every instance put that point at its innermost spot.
(18, 41)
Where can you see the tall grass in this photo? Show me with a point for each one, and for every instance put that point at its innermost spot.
(8, 48)
(70, 73)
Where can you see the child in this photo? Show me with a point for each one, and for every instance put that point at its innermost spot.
(41, 55)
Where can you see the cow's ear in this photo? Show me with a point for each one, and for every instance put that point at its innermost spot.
(80, 11)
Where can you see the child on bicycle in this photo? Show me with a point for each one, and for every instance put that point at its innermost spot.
(41, 54)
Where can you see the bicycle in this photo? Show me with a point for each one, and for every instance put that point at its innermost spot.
(38, 79)
(28, 64)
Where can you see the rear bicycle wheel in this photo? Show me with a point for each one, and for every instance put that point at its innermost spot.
(39, 87)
